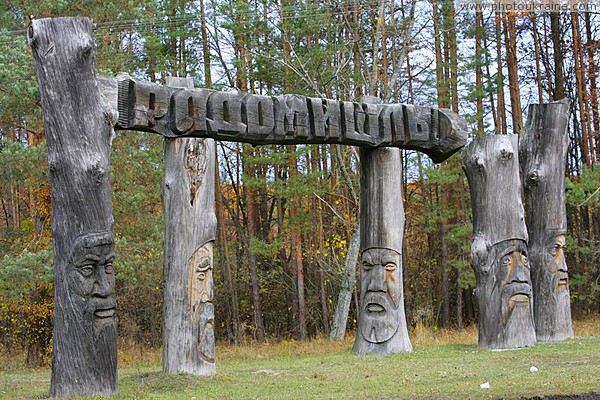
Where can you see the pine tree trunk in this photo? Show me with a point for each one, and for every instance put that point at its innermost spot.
(559, 80)
(543, 154)
(190, 232)
(510, 36)
(79, 134)
(249, 236)
(501, 128)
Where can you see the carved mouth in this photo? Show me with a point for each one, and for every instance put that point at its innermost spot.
(563, 281)
(517, 288)
(105, 313)
(519, 298)
(374, 307)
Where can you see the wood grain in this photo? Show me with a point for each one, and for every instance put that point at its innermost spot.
(190, 232)
(79, 132)
(543, 156)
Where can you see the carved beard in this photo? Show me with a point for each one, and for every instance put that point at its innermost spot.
(552, 300)
(205, 345)
(517, 317)
(380, 317)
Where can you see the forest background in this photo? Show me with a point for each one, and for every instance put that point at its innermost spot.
(288, 215)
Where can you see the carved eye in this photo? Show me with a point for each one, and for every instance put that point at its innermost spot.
(506, 260)
(367, 266)
(201, 275)
(390, 267)
(87, 270)
(108, 268)
(524, 259)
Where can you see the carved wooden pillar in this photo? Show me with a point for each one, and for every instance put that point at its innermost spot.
(190, 232)
(499, 247)
(382, 326)
(543, 156)
(79, 132)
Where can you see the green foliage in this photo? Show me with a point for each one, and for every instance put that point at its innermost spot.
(20, 274)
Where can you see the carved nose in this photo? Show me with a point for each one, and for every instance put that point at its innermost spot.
(102, 286)
(520, 273)
(377, 283)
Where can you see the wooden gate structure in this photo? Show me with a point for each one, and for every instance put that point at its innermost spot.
(81, 112)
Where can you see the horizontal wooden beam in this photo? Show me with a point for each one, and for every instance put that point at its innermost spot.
(285, 119)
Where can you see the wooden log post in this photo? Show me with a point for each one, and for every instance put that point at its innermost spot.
(190, 232)
(382, 326)
(543, 156)
(79, 131)
(499, 246)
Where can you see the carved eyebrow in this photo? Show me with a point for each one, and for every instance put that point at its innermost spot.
(110, 257)
(85, 260)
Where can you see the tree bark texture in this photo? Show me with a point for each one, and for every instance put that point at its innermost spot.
(543, 156)
(382, 326)
(499, 246)
(79, 131)
(190, 232)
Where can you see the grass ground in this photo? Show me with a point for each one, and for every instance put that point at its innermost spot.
(443, 365)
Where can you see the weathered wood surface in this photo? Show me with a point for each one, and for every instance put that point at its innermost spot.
(340, 319)
(190, 232)
(79, 131)
(382, 325)
(499, 246)
(543, 156)
(286, 119)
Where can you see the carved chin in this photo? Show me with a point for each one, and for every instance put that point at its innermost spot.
(379, 319)
(516, 296)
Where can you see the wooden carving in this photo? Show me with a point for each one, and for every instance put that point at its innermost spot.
(286, 119)
(79, 131)
(543, 156)
(190, 230)
(499, 246)
(382, 326)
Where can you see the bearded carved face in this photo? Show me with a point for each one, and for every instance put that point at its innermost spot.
(381, 294)
(201, 300)
(555, 265)
(505, 296)
(91, 280)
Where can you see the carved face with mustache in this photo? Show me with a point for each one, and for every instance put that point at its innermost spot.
(201, 300)
(505, 297)
(92, 280)
(552, 297)
(381, 294)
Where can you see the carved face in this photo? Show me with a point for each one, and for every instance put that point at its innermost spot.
(92, 279)
(505, 297)
(553, 306)
(555, 264)
(381, 294)
(513, 279)
(201, 297)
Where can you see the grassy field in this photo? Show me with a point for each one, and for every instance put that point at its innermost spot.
(443, 365)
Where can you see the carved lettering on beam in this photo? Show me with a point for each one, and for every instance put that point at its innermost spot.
(391, 124)
(325, 118)
(188, 110)
(258, 115)
(292, 119)
(224, 113)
